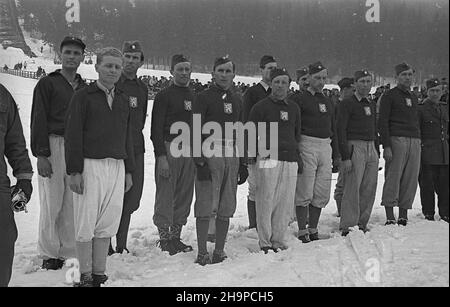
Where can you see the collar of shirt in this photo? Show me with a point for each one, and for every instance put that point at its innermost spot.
(359, 97)
(276, 101)
(103, 88)
(312, 92)
(404, 89)
(77, 81)
(125, 78)
(264, 85)
(109, 93)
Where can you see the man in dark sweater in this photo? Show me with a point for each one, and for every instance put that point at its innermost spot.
(137, 92)
(100, 161)
(433, 121)
(400, 136)
(174, 176)
(13, 147)
(347, 90)
(51, 99)
(252, 96)
(217, 175)
(357, 133)
(277, 176)
(319, 152)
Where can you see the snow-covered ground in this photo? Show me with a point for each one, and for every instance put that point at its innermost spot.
(416, 255)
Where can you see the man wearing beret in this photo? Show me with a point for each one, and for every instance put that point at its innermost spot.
(252, 96)
(277, 176)
(13, 147)
(433, 121)
(137, 92)
(357, 133)
(400, 137)
(217, 174)
(347, 90)
(318, 150)
(51, 99)
(174, 176)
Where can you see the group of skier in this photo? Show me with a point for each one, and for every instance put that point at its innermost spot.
(89, 145)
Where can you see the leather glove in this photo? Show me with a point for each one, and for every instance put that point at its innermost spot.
(243, 174)
(25, 186)
(203, 172)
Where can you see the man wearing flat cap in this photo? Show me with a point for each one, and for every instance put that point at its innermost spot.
(51, 98)
(252, 96)
(277, 176)
(400, 137)
(318, 150)
(174, 175)
(433, 121)
(137, 92)
(221, 170)
(357, 133)
(347, 90)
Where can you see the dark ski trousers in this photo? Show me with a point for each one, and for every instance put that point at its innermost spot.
(174, 195)
(131, 200)
(434, 179)
(8, 237)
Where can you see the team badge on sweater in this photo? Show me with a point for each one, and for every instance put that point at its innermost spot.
(188, 105)
(322, 108)
(228, 108)
(284, 116)
(368, 111)
(408, 102)
(133, 102)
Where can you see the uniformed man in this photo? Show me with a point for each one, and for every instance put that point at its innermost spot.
(217, 176)
(433, 121)
(400, 137)
(357, 132)
(13, 147)
(252, 96)
(137, 92)
(174, 176)
(277, 177)
(319, 152)
(51, 99)
(347, 90)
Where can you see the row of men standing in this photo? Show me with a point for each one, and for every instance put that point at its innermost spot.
(308, 148)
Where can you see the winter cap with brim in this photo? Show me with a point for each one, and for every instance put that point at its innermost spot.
(402, 67)
(345, 83)
(316, 67)
(132, 46)
(361, 74)
(301, 72)
(178, 58)
(276, 72)
(266, 59)
(221, 61)
(432, 83)
(72, 40)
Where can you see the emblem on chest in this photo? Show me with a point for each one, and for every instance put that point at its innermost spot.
(323, 108)
(188, 105)
(133, 102)
(228, 108)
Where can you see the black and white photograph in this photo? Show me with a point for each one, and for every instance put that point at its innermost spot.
(224, 148)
